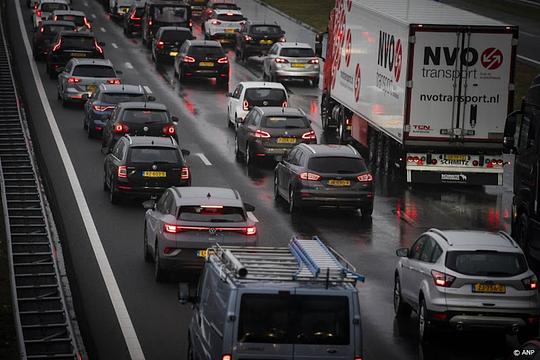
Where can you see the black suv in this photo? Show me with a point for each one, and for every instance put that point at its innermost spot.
(324, 175)
(142, 166)
(202, 58)
(138, 118)
(256, 39)
(72, 44)
(46, 33)
(133, 20)
(158, 13)
(167, 43)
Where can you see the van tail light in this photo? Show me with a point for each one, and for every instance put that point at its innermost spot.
(100, 108)
(223, 60)
(184, 175)
(285, 104)
(226, 357)
(245, 105)
(441, 279)
(314, 61)
(281, 60)
(216, 22)
(365, 178)
(120, 128)
(38, 13)
(122, 171)
(160, 44)
(73, 80)
(310, 135)
(113, 81)
(250, 230)
(57, 45)
(309, 176)
(188, 59)
(87, 23)
(530, 283)
(98, 48)
(247, 38)
(262, 134)
(169, 130)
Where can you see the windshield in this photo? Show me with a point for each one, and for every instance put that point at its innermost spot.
(175, 36)
(77, 20)
(145, 116)
(50, 7)
(212, 213)
(294, 319)
(225, 6)
(266, 29)
(78, 42)
(153, 154)
(169, 13)
(265, 97)
(289, 122)
(297, 52)
(53, 29)
(115, 98)
(96, 71)
(486, 263)
(198, 51)
(337, 165)
(231, 17)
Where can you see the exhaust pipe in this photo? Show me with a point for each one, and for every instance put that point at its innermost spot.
(459, 326)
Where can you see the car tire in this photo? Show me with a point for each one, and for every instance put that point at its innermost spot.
(250, 160)
(147, 255)
(229, 122)
(90, 133)
(424, 328)
(114, 196)
(401, 309)
(159, 274)
(237, 152)
(276, 188)
(293, 202)
(315, 82)
(366, 211)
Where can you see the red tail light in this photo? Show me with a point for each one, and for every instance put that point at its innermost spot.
(169, 130)
(309, 176)
(310, 135)
(190, 23)
(226, 357)
(441, 279)
(150, 22)
(216, 22)
(247, 38)
(41, 29)
(262, 134)
(188, 59)
(365, 177)
(73, 80)
(314, 61)
(250, 230)
(122, 171)
(223, 60)
(171, 229)
(35, 6)
(184, 175)
(530, 283)
(120, 128)
(100, 108)
(245, 105)
(281, 60)
(113, 81)
(135, 18)
(98, 48)
(160, 44)
(38, 13)
(285, 104)
(57, 45)
(87, 23)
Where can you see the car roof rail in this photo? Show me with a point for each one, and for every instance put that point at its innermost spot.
(505, 235)
(441, 234)
(129, 138)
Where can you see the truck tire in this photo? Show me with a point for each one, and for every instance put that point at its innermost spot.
(324, 112)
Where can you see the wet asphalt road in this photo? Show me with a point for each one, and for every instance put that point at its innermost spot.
(401, 213)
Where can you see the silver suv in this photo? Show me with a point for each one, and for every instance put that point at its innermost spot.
(467, 280)
(289, 61)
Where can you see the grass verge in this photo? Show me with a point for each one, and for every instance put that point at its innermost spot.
(314, 13)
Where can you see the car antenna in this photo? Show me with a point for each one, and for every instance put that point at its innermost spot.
(208, 195)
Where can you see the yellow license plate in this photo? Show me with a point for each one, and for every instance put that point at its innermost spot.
(339, 182)
(154, 174)
(489, 288)
(77, 54)
(206, 64)
(91, 88)
(125, 10)
(266, 42)
(456, 157)
(173, 53)
(282, 140)
(296, 65)
(201, 253)
(229, 30)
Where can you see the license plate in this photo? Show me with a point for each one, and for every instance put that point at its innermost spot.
(77, 54)
(296, 65)
(91, 88)
(266, 42)
(489, 288)
(173, 53)
(457, 157)
(201, 253)
(282, 140)
(125, 10)
(206, 64)
(154, 174)
(229, 30)
(339, 182)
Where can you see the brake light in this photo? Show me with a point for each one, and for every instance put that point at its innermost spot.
(57, 45)
(190, 23)
(226, 357)
(188, 59)
(281, 60)
(223, 60)
(169, 130)
(121, 128)
(100, 108)
(98, 48)
(41, 29)
(262, 134)
(38, 13)
(285, 104)
(283, 39)
(365, 177)
(314, 61)
(245, 105)
(150, 22)
(122, 171)
(250, 230)
(134, 18)
(87, 23)
(211, 206)
(309, 176)
(441, 279)
(184, 175)
(310, 135)
(171, 229)
(357, 358)
(530, 283)
(160, 44)
(35, 6)
(248, 38)
(113, 81)
(73, 80)
(216, 22)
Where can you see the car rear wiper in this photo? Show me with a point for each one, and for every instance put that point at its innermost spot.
(293, 127)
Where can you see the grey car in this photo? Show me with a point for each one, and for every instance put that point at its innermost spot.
(81, 78)
(185, 221)
(467, 280)
(290, 61)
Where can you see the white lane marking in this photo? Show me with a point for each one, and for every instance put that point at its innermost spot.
(204, 159)
(114, 45)
(120, 309)
(128, 65)
(528, 33)
(93, 16)
(252, 216)
(536, 62)
(147, 88)
(102, 29)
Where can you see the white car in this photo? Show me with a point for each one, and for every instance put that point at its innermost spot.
(248, 94)
(223, 25)
(45, 8)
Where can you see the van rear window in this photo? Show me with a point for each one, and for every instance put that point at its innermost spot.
(294, 319)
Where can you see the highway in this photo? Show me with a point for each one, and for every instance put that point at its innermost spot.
(159, 322)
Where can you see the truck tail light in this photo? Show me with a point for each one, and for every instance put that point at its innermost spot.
(122, 172)
(73, 80)
(314, 61)
(190, 23)
(309, 176)
(365, 177)
(245, 105)
(121, 128)
(188, 59)
(441, 279)
(113, 81)
(160, 44)
(169, 130)
(250, 230)
(281, 60)
(262, 134)
(310, 135)
(184, 175)
(216, 22)
(223, 60)
(530, 283)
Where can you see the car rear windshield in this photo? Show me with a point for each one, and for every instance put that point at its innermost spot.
(225, 6)
(214, 213)
(53, 29)
(285, 122)
(297, 52)
(139, 12)
(265, 97)
(153, 154)
(96, 71)
(170, 13)
(175, 36)
(337, 165)
(486, 263)
(50, 7)
(294, 319)
(231, 17)
(115, 98)
(206, 51)
(145, 117)
(265, 29)
(78, 42)
(77, 20)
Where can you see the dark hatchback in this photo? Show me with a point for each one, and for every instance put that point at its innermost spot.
(133, 20)
(202, 58)
(272, 132)
(256, 39)
(144, 166)
(46, 33)
(168, 41)
(158, 13)
(324, 175)
(138, 118)
(72, 44)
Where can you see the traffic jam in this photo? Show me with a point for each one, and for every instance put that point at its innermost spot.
(338, 195)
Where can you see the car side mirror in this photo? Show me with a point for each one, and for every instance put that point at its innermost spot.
(151, 98)
(149, 204)
(185, 294)
(175, 119)
(249, 207)
(185, 152)
(102, 44)
(403, 252)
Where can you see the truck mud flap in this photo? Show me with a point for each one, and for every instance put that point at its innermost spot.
(463, 178)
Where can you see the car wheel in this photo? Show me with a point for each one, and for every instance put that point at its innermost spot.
(249, 156)
(424, 329)
(237, 153)
(315, 82)
(159, 275)
(293, 202)
(401, 309)
(114, 197)
(91, 133)
(229, 122)
(63, 100)
(147, 255)
(84, 123)
(367, 211)
(276, 188)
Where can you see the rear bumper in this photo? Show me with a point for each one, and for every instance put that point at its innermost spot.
(470, 320)
(327, 198)
(206, 73)
(454, 175)
(126, 189)
(269, 150)
(312, 74)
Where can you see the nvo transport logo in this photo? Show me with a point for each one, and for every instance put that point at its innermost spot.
(491, 58)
